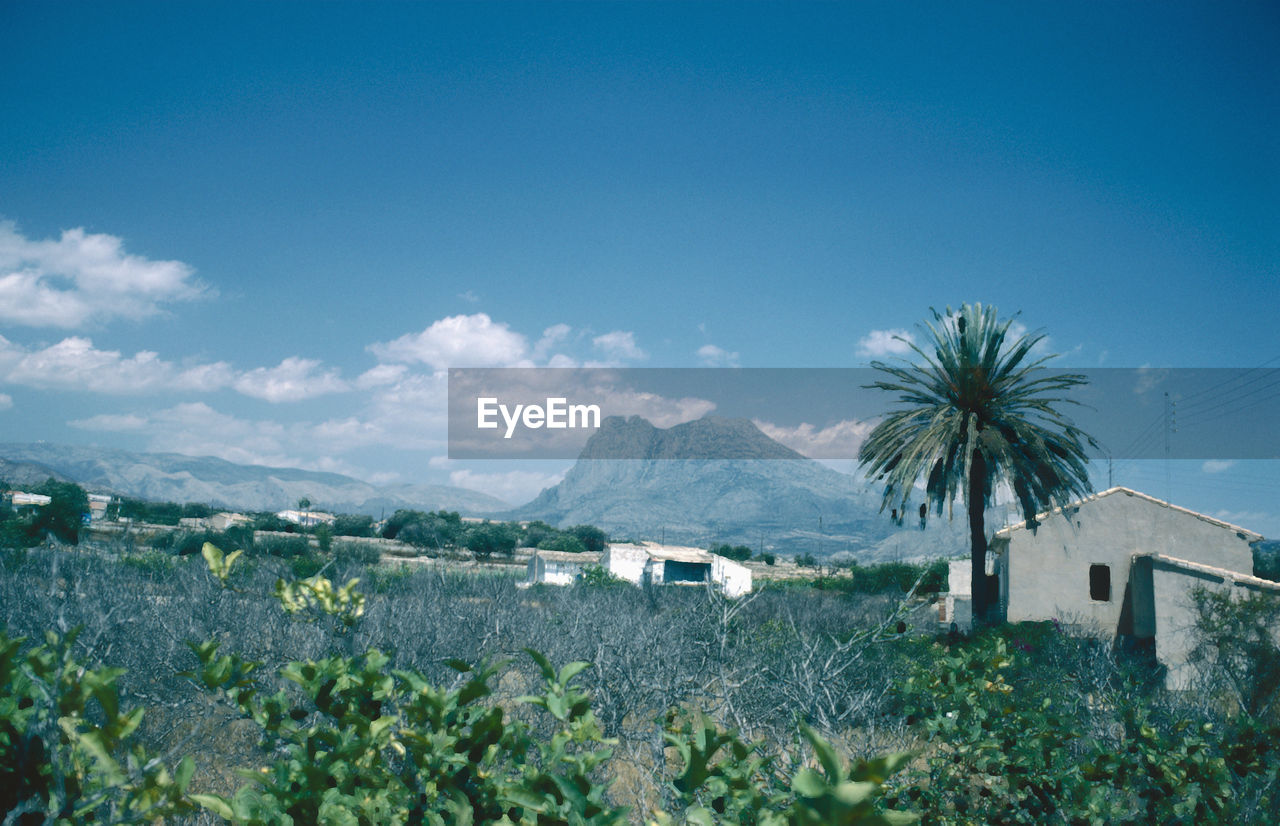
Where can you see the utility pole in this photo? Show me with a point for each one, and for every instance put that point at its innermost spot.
(1170, 427)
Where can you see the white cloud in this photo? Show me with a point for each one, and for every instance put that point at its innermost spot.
(838, 441)
(1217, 465)
(713, 356)
(75, 364)
(1149, 379)
(293, 379)
(661, 411)
(83, 277)
(111, 422)
(196, 429)
(883, 343)
(410, 413)
(470, 297)
(516, 486)
(458, 341)
(6, 401)
(551, 336)
(1250, 520)
(619, 344)
(381, 375)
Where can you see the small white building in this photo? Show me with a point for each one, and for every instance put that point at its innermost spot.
(98, 503)
(21, 499)
(675, 565)
(307, 519)
(1119, 565)
(559, 567)
(222, 521)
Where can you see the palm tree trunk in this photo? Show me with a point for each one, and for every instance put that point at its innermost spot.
(978, 542)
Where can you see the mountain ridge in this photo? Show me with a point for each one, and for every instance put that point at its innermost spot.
(180, 478)
(758, 492)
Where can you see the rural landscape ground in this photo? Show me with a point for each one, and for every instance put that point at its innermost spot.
(705, 708)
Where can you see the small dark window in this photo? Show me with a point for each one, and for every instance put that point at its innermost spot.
(1100, 583)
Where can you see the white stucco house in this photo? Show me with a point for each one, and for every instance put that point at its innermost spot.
(559, 567)
(1119, 565)
(675, 565)
(307, 518)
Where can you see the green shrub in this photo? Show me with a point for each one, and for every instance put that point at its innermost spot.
(67, 750)
(566, 542)
(359, 553)
(738, 553)
(285, 547)
(152, 564)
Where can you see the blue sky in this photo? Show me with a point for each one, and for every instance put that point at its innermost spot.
(261, 231)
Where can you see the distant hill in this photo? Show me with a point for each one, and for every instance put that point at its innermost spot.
(755, 491)
(172, 477)
(25, 474)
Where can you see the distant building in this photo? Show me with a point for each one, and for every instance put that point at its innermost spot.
(675, 565)
(21, 499)
(224, 520)
(559, 567)
(1119, 565)
(307, 519)
(98, 504)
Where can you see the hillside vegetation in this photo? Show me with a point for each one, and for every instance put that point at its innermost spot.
(658, 705)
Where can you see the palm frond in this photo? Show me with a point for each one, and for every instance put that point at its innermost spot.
(977, 388)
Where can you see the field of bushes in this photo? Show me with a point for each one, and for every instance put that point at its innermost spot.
(271, 694)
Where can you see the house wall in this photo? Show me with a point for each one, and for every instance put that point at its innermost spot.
(1046, 574)
(733, 579)
(625, 563)
(1174, 615)
(1175, 619)
(553, 572)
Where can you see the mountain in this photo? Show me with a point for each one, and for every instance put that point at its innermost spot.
(752, 491)
(171, 477)
(26, 474)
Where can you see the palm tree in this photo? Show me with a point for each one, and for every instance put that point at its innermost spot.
(979, 412)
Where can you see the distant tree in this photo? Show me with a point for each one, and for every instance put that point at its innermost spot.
(64, 514)
(566, 542)
(437, 529)
(402, 517)
(739, 553)
(1266, 560)
(196, 510)
(160, 513)
(304, 504)
(353, 524)
(267, 521)
(976, 413)
(534, 533)
(592, 537)
(489, 538)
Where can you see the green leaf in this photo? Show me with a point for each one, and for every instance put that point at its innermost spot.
(182, 775)
(852, 793)
(827, 756)
(215, 804)
(808, 783)
(699, 816)
(572, 670)
(544, 665)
